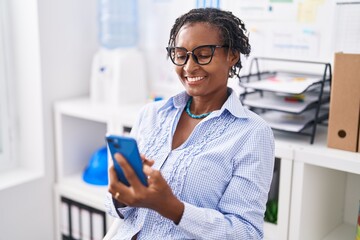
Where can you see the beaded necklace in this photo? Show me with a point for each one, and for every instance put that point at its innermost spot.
(187, 110)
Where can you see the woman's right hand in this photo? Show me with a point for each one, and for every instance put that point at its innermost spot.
(157, 195)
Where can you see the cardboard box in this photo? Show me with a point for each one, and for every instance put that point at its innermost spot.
(344, 116)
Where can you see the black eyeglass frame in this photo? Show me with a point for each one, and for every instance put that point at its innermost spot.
(212, 47)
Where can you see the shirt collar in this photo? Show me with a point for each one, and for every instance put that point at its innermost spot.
(232, 104)
(177, 101)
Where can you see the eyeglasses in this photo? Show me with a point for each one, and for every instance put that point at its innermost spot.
(202, 55)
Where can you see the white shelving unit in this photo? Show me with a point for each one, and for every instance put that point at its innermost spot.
(319, 187)
(325, 190)
(81, 127)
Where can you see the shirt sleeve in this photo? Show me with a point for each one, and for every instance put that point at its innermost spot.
(116, 212)
(240, 212)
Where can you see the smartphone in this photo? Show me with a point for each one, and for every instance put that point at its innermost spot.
(127, 146)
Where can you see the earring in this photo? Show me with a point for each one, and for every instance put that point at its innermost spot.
(231, 72)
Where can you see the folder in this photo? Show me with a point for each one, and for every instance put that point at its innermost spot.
(75, 222)
(97, 226)
(64, 225)
(344, 116)
(85, 224)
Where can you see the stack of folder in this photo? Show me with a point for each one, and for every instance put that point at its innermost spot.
(79, 221)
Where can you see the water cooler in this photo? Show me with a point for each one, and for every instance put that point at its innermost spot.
(118, 69)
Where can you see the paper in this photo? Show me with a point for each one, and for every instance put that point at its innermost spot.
(307, 12)
(284, 84)
(275, 102)
(347, 27)
(302, 43)
(289, 122)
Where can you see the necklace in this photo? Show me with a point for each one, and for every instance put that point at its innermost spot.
(187, 110)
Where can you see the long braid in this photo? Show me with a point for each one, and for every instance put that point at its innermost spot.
(232, 30)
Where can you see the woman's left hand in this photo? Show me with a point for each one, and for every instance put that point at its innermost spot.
(157, 196)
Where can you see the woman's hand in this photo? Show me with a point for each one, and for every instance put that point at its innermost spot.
(157, 196)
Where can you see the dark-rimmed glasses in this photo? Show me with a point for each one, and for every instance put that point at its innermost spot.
(202, 55)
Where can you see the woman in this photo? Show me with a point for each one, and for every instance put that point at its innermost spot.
(211, 159)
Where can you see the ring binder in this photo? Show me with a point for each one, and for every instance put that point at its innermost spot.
(80, 221)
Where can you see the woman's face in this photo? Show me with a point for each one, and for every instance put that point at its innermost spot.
(204, 80)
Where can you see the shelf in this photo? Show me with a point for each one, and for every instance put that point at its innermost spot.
(344, 232)
(74, 187)
(325, 193)
(84, 108)
(319, 154)
(81, 126)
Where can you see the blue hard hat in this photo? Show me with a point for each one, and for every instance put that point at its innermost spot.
(96, 171)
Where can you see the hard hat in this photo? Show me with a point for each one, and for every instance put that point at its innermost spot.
(96, 171)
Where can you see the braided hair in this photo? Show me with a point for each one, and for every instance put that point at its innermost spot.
(232, 30)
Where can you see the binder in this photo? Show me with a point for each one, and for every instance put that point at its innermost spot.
(344, 117)
(75, 222)
(85, 224)
(97, 226)
(79, 221)
(64, 218)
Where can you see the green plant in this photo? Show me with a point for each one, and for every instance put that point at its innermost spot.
(271, 211)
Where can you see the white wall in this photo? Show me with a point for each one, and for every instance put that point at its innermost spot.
(67, 33)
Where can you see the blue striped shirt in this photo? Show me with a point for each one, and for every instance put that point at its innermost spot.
(222, 173)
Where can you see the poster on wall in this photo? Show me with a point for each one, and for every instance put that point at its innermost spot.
(300, 42)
